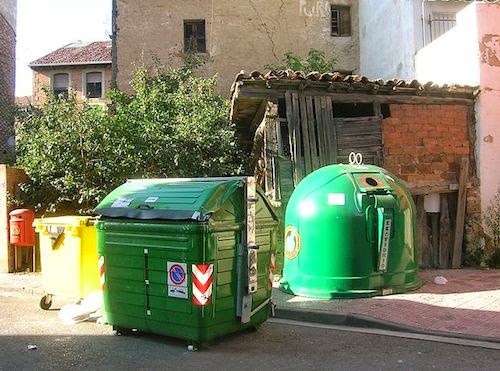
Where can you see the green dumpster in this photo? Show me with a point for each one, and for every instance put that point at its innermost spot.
(350, 232)
(187, 258)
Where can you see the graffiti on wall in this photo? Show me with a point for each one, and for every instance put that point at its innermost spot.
(319, 8)
(490, 49)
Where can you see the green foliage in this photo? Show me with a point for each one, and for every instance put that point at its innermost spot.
(173, 125)
(315, 61)
(492, 223)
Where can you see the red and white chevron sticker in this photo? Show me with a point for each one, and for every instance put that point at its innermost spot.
(272, 267)
(102, 275)
(202, 283)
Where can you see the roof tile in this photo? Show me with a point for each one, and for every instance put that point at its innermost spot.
(97, 51)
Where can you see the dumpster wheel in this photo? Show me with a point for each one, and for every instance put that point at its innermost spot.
(46, 302)
(122, 331)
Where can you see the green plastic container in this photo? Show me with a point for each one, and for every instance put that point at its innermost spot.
(350, 232)
(187, 258)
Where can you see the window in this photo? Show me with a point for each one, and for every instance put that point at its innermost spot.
(440, 23)
(194, 36)
(60, 84)
(93, 85)
(341, 20)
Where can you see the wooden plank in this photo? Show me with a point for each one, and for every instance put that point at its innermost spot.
(331, 131)
(423, 243)
(305, 135)
(312, 133)
(354, 97)
(291, 133)
(460, 219)
(298, 141)
(444, 234)
(318, 108)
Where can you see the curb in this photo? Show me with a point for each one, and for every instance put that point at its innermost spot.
(363, 321)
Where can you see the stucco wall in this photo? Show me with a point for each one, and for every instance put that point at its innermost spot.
(241, 35)
(453, 57)
(387, 39)
(391, 32)
(42, 77)
(488, 111)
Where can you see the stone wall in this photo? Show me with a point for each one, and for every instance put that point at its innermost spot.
(240, 35)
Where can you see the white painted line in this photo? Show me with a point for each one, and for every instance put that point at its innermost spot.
(400, 334)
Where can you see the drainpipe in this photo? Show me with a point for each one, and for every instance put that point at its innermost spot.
(423, 23)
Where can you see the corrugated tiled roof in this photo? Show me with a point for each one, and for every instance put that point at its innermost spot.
(98, 52)
(338, 81)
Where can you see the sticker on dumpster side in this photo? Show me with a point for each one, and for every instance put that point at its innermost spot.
(122, 202)
(177, 274)
(177, 280)
(178, 292)
(151, 199)
(336, 199)
(202, 283)
(384, 250)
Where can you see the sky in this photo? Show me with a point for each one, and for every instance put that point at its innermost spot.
(45, 25)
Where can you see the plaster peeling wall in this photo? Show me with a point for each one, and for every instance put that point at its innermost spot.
(488, 112)
(246, 34)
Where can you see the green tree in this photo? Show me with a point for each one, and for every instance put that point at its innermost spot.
(173, 125)
(316, 61)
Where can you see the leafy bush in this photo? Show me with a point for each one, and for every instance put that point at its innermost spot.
(492, 223)
(315, 61)
(173, 125)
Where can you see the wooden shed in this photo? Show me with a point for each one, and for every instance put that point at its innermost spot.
(291, 123)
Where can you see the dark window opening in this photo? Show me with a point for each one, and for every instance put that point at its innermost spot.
(281, 108)
(386, 110)
(341, 20)
(194, 36)
(353, 110)
(94, 85)
(60, 84)
(285, 139)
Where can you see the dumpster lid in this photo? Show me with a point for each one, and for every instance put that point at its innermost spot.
(169, 199)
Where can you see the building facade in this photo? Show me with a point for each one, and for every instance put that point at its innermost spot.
(84, 68)
(229, 37)
(392, 32)
(7, 78)
(470, 54)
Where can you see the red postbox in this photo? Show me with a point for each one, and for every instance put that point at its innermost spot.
(22, 232)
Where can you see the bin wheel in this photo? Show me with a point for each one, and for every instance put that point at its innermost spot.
(46, 302)
(193, 346)
(121, 331)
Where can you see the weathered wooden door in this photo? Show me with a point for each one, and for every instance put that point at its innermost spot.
(317, 138)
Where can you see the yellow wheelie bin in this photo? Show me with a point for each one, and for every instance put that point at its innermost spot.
(68, 257)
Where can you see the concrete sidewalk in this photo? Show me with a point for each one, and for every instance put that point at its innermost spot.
(467, 306)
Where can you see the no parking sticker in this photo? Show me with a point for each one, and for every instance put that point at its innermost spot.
(177, 280)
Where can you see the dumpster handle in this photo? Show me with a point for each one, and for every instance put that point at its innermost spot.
(145, 207)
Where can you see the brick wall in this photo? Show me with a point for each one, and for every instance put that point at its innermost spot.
(7, 76)
(423, 145)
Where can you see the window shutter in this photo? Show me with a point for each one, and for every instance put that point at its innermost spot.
(94, 77)
(61, 81)
(345, 21)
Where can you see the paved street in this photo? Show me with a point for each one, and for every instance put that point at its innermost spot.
(275, 346)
